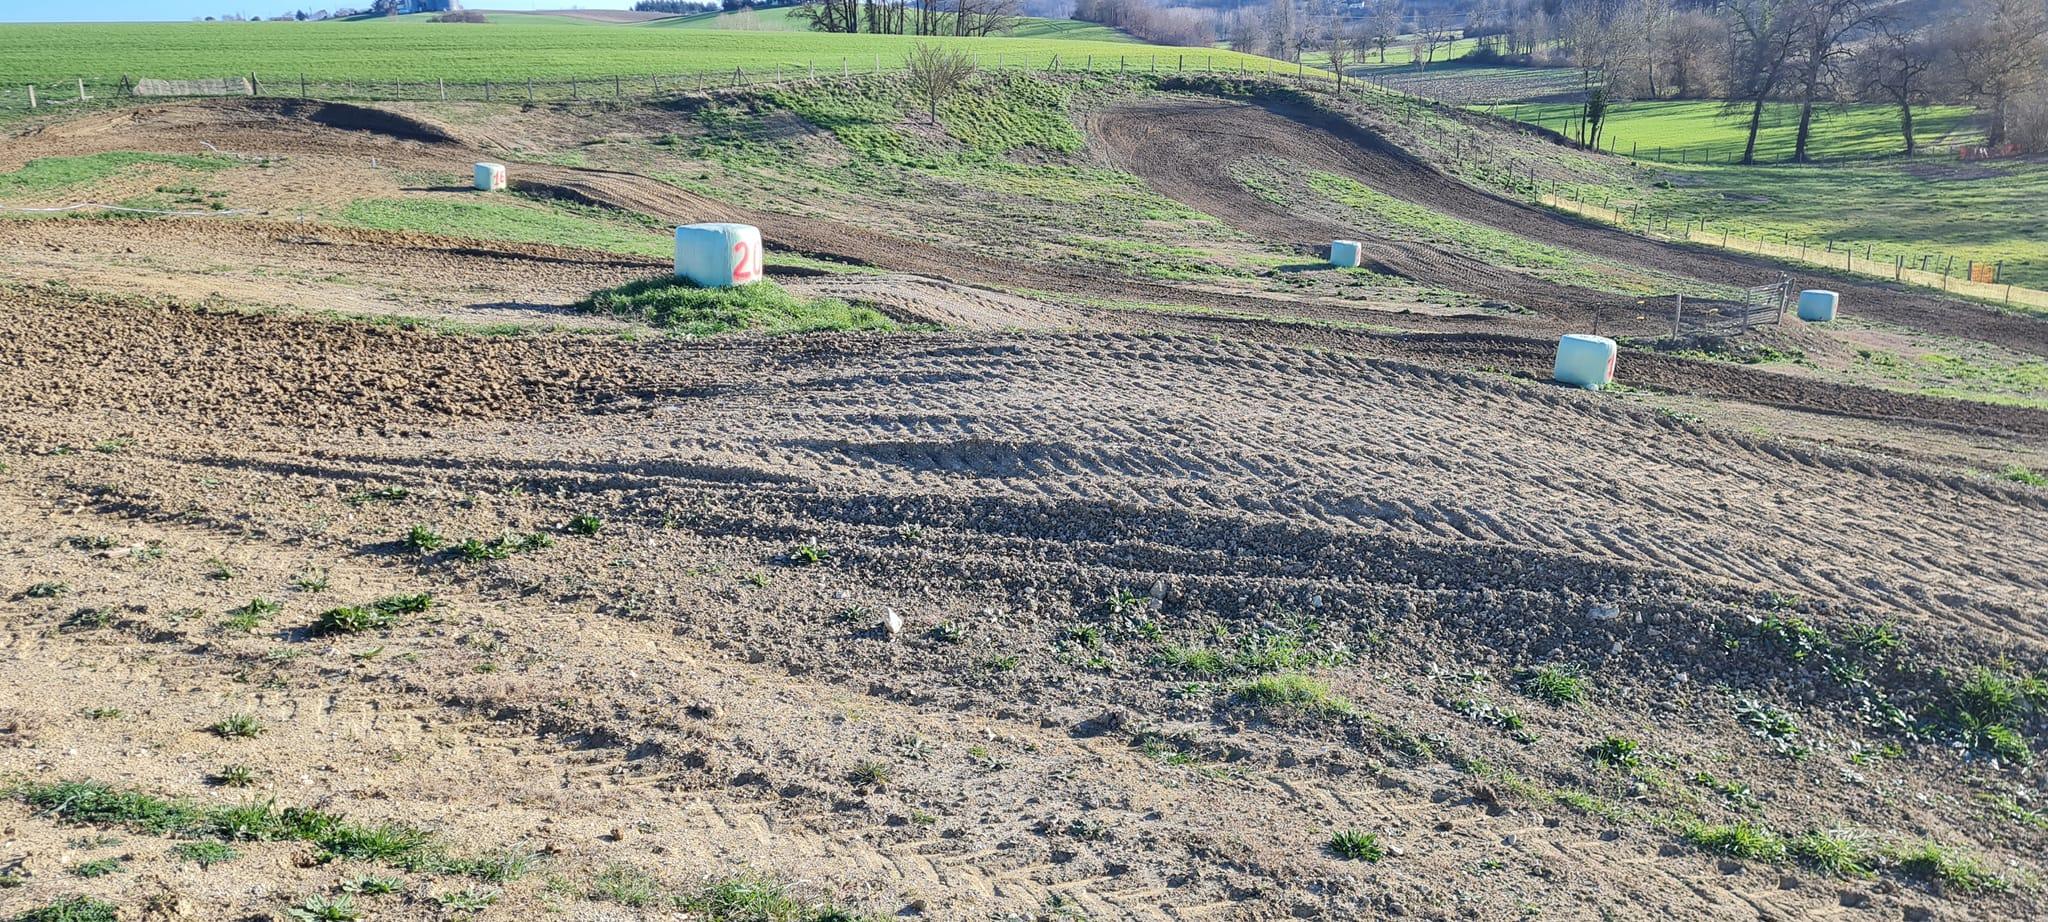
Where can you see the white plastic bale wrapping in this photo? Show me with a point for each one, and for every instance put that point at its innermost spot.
(1818, 305)
(490, 177)
(1585, 361)
(1346, 254)
(719, 255)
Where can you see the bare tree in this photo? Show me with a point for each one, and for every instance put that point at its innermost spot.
(1340, 43)
(936, 73)
(1896, 70)
(1764, 42)
(1821, 27)
(1691, 45)
(1384, 25)
(1998, 52)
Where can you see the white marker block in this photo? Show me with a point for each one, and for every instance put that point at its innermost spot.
(490, 177)
(719, 255)
(1346, 254)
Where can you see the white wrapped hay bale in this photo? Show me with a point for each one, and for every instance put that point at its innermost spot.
(719, 255)
(1818, 305)
(1346, 254)
(1585, 361)
(490, 177)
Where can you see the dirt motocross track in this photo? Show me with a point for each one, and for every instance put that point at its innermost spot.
(1182, 594)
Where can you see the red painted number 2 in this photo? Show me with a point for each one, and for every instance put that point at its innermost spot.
(747, 267)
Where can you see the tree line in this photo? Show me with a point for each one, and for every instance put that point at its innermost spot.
(902, 17)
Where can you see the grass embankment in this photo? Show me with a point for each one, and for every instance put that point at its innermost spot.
(515, 219)
(1712, 131)
(514, 49)
(762, 307)
(55, 174)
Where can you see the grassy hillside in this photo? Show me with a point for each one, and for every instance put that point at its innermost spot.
(511, 49)
(1702, 126)
(785, 19)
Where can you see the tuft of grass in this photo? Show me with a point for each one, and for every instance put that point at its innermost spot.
(586, 525)
(1952, 868)
(761, 307)
(1296, 691)
(72, 909)
(234, 776)
(310, 580)
(98, 867)
(318, 908)
(1617, 752)
(205, 854)
(47, 590)
(753, 897)
(2020, 474)
(1555, 685)
(352, 620)
(237, 727)
(373, 885)
(1747, 841)
(1356, 845)
(871, 775)
(625, 885)
(1833, 853)
(809, 554)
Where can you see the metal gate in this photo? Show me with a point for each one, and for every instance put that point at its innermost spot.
(1764, 304)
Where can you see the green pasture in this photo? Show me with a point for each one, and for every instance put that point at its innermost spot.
(1697, 127)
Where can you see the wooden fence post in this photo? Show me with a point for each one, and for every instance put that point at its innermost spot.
(442, 84)
(302, 86)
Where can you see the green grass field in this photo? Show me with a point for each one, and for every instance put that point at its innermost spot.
(785, 19)
(509, 50)
(1702, 126)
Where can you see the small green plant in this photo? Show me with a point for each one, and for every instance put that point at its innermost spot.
(424, 539)
(98, 867)
(809, 554)
(871, 775)
(1003, 663)
(219, 570)
(757, 579)
(90, 542)
(47, 590)
(72, 909)
(1356, 845)
(473, 549)
(499, 867)
(377, 495)
(234, 776)
(950, 632)
(310, 580)
(1617, 752)
(237, 727)
(1739, 840)
(625, 885)
(249, 617)
(100, 713)
(1833, 853)
(204, 854)
(586, 525)
(318, 908)
(353, 620)
(1952, 868)
(112, 446)
(372, 885)
(1555, 685)
(468, 900)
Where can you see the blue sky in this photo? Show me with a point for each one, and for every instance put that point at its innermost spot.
(143, 10)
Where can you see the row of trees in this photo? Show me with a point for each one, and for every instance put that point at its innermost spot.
(902, 17)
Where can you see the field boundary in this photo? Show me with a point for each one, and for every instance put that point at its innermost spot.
(1846, 260)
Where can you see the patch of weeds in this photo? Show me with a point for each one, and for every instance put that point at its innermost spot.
(310, 580)
(72, 909)
(2015, 811)
(1737, 840)
(500, 867)
(372, 885)
(1771, 723)
(1295, 691)
(424, 539)
(503, 546)
(1798, 639)
(1833, 853)
(586, 525)
(377, 615)
(318, 908)
(1356, 845)
(219, 570)
(87, 619)
(1556, 685)
(1085, 636)
(872, 775)
(234, 776)
(205, 854)
(1952, 868)
(1265, 650)
(950, 632)
(1987, 705)
(1004, 663)
(47, 590)
(468, 900)
(251, 616)
(2020, 474)
(755, 898)
(757, 579)
(100, 713)
(809, 554)
(1734, 792)
(237, 727)
(764, 306)
(89, 542)
(625, 885)
(1880, 639)
(377, 495)
(1617, 752)
(98, 867)
(112, 446)
(1487, 712)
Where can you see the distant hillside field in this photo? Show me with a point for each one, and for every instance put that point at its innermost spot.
(1697, 126)
(513, 48)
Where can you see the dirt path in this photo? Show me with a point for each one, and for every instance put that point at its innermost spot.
(1173, 143)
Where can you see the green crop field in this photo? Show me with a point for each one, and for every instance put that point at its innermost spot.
(512, 49)
(1701, 127)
